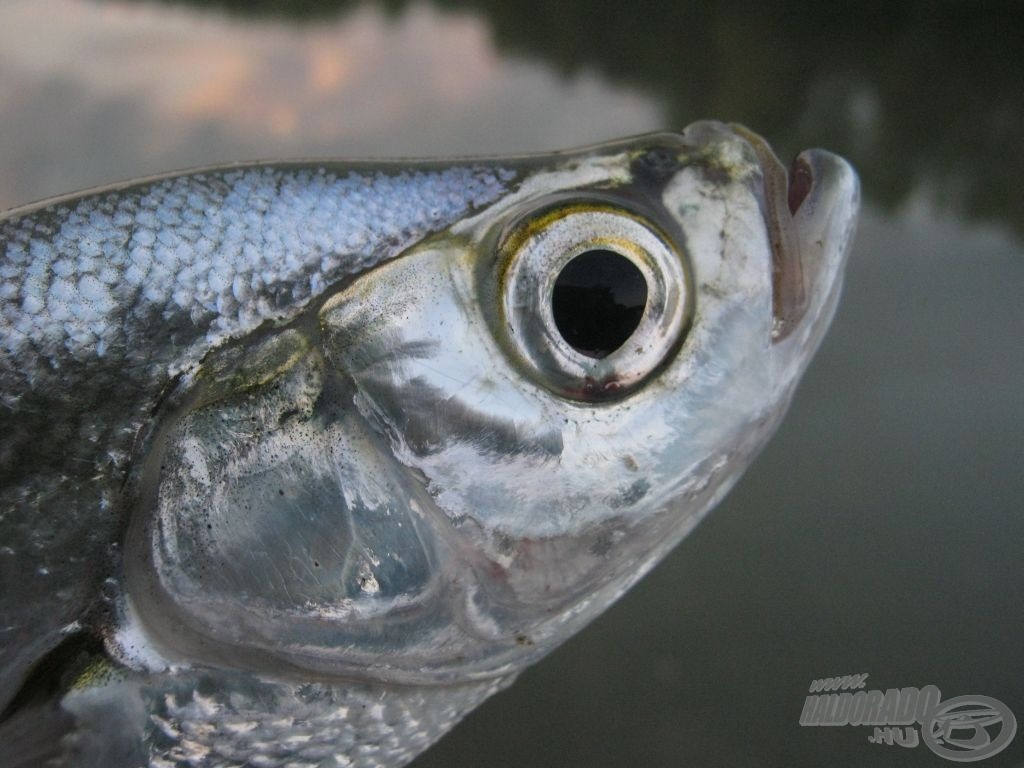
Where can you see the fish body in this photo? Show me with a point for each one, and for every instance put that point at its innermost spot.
(301, 462)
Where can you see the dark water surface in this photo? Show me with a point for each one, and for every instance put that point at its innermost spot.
(882, 529)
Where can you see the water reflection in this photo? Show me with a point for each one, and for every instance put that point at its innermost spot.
(95, 93)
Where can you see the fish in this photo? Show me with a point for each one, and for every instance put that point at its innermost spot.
(303, 461)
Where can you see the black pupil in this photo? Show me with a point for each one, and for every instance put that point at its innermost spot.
(598, 301)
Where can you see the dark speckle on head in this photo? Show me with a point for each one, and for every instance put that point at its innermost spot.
(718, 174)
(656, 164)
(602, 544)
(504, 543)
(631, 495)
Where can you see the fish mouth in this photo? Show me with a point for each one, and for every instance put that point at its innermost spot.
(810, 211)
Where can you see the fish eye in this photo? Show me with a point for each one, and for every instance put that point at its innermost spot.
(595, 298)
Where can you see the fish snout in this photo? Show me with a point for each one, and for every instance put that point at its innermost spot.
(810, 211)
(823, 200)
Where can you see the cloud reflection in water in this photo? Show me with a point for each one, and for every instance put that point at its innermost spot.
(97, 93)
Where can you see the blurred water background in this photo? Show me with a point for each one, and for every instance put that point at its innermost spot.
(882, 529)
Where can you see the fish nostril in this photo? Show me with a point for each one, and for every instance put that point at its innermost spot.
(801, 180)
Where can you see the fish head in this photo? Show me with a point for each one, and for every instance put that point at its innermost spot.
(468, 452)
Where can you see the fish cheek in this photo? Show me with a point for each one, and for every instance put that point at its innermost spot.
(274, 520)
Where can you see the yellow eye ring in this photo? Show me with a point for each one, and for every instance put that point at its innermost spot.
(538, 250)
